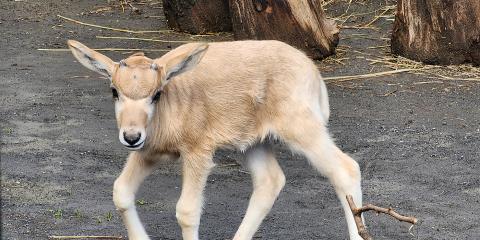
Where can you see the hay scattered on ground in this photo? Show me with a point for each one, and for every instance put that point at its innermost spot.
(464, 72)
(86, 237)
(143, 39)
(112, 28)
(364, 21)
(107, 50)
(378, 55)
(367, 75)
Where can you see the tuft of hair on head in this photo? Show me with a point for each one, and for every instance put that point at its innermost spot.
(137, 54)
(122, 63)
(154, 66)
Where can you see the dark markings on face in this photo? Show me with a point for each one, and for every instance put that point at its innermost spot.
(156, 97)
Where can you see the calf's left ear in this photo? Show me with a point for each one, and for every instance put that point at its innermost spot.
(181, 59)
(91, 59)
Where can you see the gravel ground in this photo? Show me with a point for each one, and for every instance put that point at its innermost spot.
(416, 140)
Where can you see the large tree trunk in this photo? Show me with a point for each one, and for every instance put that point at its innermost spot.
(301, 23)
(438, 31)
(198, 16)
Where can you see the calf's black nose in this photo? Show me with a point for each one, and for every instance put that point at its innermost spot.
(131, 139)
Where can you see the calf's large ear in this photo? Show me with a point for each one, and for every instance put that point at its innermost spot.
(181, 59)
(91, 59)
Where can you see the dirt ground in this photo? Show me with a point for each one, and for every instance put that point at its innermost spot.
(416, 138)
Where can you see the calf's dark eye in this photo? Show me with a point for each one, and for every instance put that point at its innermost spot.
(114, 93)
(156, 96)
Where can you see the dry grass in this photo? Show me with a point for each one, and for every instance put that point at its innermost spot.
(377, 56)
(143, 39)
(107, 50)
(367, 75)
(112, 28)
(386, 12)
(377, 53)
(398, 64)
(86, 237)
(464, 72)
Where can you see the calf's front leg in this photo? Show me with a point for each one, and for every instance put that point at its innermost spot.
(195, 171)
(135, 171)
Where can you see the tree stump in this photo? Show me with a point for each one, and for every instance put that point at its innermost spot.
(301, 23)
(198, 16)
(438, 32)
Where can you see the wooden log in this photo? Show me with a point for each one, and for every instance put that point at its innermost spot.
(301, 23)
(438, 32)
(198, 16)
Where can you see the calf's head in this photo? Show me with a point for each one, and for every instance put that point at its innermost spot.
(137, 83)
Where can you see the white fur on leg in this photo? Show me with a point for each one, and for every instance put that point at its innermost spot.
(125, 203)
(268, 181)
(357, 198)
(188, 213)
(341, 170)
(124, 189)
(196, 168)
(133, 223)
(347, 182)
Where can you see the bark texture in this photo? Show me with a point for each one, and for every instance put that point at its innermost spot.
(438, 31)
(198, 16)
(301, 23)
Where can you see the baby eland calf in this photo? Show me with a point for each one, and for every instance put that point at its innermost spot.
(200, 97)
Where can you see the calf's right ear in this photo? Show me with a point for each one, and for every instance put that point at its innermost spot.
(91, 59)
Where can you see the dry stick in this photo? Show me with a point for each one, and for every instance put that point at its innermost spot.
(102, 9)
(86, 76)
(357, 215)
(85, 237)
(383, 46)
(111, 28)
(145, 39)
(325, 3)
(396, 65)
(368, 75)
(106, 49)
(358, 27)
(456, 78)
(378, 17)
(360, 37)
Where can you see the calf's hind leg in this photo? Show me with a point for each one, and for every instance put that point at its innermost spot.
(268, 180)
(310, 136)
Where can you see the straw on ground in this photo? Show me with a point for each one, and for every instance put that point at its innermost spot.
(112, 28)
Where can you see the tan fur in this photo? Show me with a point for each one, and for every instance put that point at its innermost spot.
(226, 94)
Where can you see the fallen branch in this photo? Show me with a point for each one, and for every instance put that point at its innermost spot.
(85, 237)
(357, 215)
(111, 28)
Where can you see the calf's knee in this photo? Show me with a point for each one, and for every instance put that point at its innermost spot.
(186, 215)
(122, 198)
(278, 182)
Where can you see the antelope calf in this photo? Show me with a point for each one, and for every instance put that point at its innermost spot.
(200, 97)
